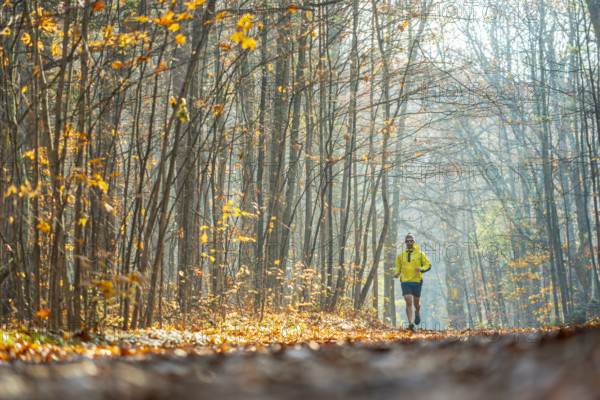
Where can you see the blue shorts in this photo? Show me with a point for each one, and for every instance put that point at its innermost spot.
(414, 290)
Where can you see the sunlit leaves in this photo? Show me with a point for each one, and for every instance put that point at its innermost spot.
(238, 36)
(42, 313)
(244, 239)
(243, 26)
(130, 278)
(161, 68)
(97, 181)
(56, 52)
(248, 43)
(208, 256)
(180, 39)
(43, 226)
(44, 20)
(25, 190)
(184, 15)
(105, 287)
(12, 189)
(220, 15)
(244, 23)
(165, 20)
(26, 39)
(193, 4)
(98, 6)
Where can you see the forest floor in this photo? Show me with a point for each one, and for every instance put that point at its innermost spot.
(313, 357)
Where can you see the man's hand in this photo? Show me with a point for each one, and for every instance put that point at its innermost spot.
(417, 269)
(396, 276)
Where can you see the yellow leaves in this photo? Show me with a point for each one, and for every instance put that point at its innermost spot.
(102, 185)
(26, 39)
(180, 39)
(98, 6)
(44, 21)
(192, 4)
(248, 43)
(82, 221)
(220, 15)
(56, 52)
(129, 39)
(184, 15)
(105, 287)
(97, 181)
(238, 36)
(165, 20)
(204, 238)
(208, 256)
(23, 190)
(244, 25)
(43, 226)
(142, 18)
(174, 27)
(277, 262)
(161, 68)
(96, 161)
(24, 89)
(5, 32)
(134, 277)
(117, 65)
(12, 189)
(293, 8)
(42, 313)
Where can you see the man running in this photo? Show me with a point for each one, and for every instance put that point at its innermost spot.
(410, 265)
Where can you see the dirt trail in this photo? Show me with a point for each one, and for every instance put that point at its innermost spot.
(561, 364)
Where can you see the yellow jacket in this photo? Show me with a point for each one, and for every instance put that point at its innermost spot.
(407, 261)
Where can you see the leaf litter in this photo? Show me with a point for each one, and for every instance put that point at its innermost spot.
(317, 356)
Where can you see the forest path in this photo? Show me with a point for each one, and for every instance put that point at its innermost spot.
(539, 364)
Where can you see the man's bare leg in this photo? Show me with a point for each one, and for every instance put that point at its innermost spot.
(409, 302)
(417, 301)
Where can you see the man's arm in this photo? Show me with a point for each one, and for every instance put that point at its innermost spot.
(398, 265)
(425, 264)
